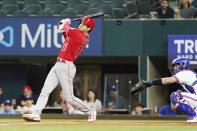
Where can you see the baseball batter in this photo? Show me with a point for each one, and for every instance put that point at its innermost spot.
(185, 101)
(63, 72)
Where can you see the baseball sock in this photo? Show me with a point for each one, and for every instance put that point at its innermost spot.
(187, 109)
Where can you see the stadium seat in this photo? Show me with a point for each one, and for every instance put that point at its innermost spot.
(69, 13)
(2, 14)
(20, 4)
(117, 3)
(42, 1)
(91, 11)
(79, 15)
(5, 2)
(57, 9)
(30, 2)
(118, 13)
(9, 9)
(95, 3)
(50, 3)
(33, 10)
(85, 2)
(107, 9)
(20, 13)
(0, 5)
(45, 13)
(72, 3)
(194, 3)
(81, 8)
(144, 6)
(64, 3)
(130, 8)
(20, 1)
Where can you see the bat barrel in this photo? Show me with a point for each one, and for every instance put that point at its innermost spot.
(91, 16)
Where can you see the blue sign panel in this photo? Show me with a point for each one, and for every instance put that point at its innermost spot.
(40, 37)
(182, 46)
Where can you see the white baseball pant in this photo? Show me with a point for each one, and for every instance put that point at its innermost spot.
(63, 74)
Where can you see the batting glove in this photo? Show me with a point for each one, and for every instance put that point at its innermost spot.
(67, 20)
(62, 23)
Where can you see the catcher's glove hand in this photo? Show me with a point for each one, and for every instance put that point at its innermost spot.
(139, 87)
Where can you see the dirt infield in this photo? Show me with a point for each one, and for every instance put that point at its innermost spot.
(11, 122)
(16, 124)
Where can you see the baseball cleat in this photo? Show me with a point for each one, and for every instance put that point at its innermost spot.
(31, 117)
(92, 116)
(192, 120)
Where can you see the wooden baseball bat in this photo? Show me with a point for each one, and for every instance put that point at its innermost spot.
(91, 16)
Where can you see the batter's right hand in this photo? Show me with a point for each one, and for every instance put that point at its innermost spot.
(61, 24)
(67, 20)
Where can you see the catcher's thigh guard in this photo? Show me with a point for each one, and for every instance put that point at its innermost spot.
(176, 97)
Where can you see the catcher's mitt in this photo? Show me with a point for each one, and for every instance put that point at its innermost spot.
(139, 87)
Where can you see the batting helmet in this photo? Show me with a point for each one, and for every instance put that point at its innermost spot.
(88, 21)
(183, 64)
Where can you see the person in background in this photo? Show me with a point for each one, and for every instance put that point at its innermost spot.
(186, 10)
(167, 110)
(165, 12)
(115, 100)
(92, 100)
(138, 110)
(177, 14)
(67, 108)
(29, 106)
(8, 108)
(27, 92)
(1, 98)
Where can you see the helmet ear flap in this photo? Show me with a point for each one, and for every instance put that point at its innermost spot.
(185, 64)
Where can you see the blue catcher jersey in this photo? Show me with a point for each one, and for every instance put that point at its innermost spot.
(188, 79)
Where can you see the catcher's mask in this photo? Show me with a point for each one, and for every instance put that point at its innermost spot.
(179, 64)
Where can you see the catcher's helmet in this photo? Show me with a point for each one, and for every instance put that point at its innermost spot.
(183, 63)
(88, 21)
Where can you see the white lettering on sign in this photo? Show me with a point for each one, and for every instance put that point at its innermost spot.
(43, 36)
(187, 45)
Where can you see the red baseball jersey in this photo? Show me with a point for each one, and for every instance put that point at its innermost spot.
(74, 44)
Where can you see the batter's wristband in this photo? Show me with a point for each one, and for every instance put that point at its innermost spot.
(157, 82)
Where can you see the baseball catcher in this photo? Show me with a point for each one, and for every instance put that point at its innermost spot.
(185, 101)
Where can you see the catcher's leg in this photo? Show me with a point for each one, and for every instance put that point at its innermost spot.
(178, 101)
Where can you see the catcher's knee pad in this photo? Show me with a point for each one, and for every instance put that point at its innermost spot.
(175, 97)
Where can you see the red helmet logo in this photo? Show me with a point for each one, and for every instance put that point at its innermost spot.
(88, 21)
